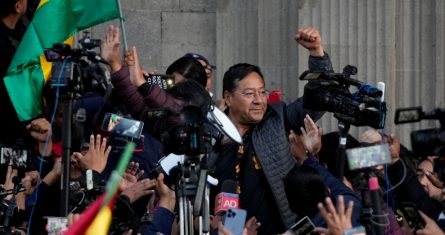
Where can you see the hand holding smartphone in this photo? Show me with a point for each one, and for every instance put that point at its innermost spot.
(234, 220)
(412, 215)
(122, 126)
(303, 226)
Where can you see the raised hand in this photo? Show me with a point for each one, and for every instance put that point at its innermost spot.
(337, 220)
(110, 48)
(131, 175)
(96, 157)
(166, 194)
(139, 189)
(310, 39)
(131, 59)
(297, 147)
(311, 135)
(40, 130)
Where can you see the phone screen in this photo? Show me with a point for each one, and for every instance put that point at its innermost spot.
(17, 157)
(122, 126)
(304, 226)
(364, 157)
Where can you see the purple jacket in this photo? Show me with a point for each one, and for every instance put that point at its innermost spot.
(140, 100)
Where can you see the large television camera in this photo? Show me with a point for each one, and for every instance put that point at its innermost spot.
(78, 70)
(427, 142)
(329, 91)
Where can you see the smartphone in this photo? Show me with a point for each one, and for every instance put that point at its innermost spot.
(164, 81)
(116, 124)
(56, 225)
(303, 226)
(17, 157)
(364, 157)
(234, 220)
(412, 215)
(360, 230)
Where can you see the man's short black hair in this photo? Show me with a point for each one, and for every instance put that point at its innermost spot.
(7, 7)
(305, 188)
(236, 73)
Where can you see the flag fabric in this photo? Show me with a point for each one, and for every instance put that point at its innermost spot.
(96, 219)
(55, 21)
(101, 224)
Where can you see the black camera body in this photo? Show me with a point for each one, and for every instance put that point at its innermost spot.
(78, 70)
(427, 142)
(329, 91)
(192, 138)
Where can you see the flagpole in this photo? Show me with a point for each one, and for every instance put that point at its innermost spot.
(122, 23)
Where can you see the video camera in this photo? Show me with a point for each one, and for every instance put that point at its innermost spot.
(329, 91)
(427, 142)
(192, 138)
(78, 70)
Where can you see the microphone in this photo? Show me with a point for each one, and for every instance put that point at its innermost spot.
(227, 198)
(381, 87)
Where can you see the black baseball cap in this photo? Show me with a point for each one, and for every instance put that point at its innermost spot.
(197, 56)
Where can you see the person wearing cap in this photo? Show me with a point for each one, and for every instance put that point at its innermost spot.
(207, 66)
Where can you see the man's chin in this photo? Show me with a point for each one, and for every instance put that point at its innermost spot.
(256, 119)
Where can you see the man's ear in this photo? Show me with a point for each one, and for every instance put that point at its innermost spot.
(227, 98)
(18, 7)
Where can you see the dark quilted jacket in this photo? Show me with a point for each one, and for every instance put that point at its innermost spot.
(270, 141)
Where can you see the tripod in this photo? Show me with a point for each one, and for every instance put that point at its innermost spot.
(193, 196)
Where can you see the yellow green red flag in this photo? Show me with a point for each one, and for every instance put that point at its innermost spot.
(55, 21)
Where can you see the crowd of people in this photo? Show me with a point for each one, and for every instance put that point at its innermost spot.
(282, 169)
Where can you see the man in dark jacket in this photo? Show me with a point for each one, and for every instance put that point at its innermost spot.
(260, 164)
(11, 33)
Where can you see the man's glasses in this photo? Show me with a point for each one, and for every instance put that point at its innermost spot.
(252, 94)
